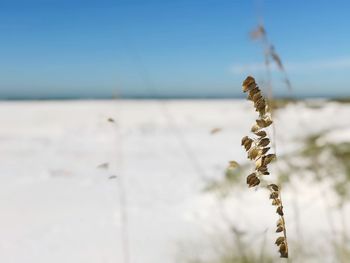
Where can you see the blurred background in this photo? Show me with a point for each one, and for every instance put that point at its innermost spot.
(119, 120)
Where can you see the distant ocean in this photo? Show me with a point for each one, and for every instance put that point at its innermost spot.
(177, 97)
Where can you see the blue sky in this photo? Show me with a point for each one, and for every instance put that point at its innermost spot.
(200, 48)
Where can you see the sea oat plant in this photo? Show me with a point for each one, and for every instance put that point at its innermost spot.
(257, 148)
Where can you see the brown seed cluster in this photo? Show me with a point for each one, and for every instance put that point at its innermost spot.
(258, 146)
(257, 149)
(281, 241)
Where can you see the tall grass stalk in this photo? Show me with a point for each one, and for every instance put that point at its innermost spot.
(257, 148)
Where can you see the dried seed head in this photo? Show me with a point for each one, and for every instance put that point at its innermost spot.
(257, 148)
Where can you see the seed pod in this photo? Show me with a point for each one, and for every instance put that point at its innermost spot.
(248, 144)
(257, 96)
(265, 150)
(260, 104)
(261, 123)
(279, 229)
(261, 110)
(264, 142)
(244, 139)
(255, 128)
(254, 91)
(282, 247)
(249, 97)
(251, 178)
(262, 169)
(274, 187)
(276, 202)
(279, 222)
(261, 134)
(273, 195)
(279, 241)
(254, 153)
(248, 83)
(268, 122)
(283, 250)
(279, 210)
(255, 182)
(269, 158)
(258, 164)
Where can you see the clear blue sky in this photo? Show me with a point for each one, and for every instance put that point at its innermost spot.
(102, 48)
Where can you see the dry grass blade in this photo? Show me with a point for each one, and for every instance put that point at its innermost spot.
(270, 52)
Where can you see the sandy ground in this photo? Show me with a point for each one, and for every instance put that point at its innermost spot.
(58, 206)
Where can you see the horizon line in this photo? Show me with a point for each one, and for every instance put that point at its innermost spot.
(164, 97)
